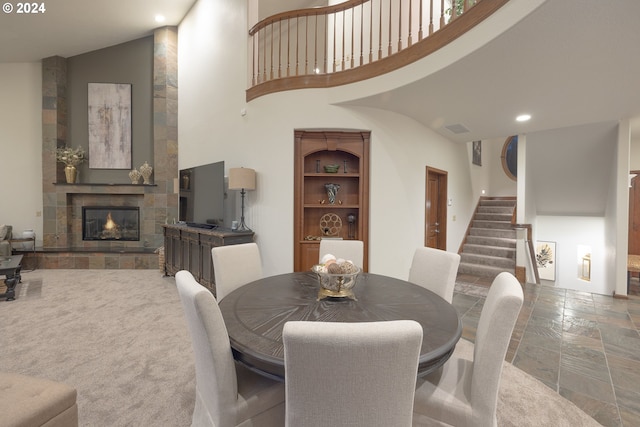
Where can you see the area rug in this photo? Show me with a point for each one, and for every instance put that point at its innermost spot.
(524, 401)
(120, 338)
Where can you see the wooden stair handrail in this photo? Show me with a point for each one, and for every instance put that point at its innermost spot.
(532, 253)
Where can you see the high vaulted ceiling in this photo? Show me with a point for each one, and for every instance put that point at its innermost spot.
(569, 62)
(72, 27)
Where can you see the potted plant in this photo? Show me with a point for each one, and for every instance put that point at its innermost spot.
(459, 5)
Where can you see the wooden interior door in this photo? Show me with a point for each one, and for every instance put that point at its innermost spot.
(435, 233)
(634, 215)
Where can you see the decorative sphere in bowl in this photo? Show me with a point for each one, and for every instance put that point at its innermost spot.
(336, 284)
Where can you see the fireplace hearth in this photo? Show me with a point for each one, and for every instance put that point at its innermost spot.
(107, 223)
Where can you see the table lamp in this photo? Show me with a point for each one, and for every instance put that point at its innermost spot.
(242, 179)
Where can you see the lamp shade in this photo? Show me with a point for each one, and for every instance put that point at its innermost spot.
(242, 178)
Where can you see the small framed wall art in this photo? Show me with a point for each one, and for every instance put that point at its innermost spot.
(546, 260)
(477, 153)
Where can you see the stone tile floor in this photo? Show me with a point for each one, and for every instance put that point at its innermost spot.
(584, 346)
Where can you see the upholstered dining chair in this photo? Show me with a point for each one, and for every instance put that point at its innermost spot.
(227, 394)
(436, 270)
(235, 266)
(350, 374)
(465, 392)
(351, 250)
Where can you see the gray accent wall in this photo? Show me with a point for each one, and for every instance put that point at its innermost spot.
(129, 63)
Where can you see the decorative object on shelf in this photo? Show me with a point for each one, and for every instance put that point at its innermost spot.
(71, 157)
(351, 220)
(336, 277)
(146, 170)
(330, 224)
(331, 168)
(185, 181)
(344, 168)
(134, 175)
(586, 267)
(31, 235)
(242, 179)
(332, 191)
(70, 173)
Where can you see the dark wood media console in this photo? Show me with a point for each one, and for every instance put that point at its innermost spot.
(189, 248)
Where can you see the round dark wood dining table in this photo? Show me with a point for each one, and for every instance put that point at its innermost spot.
(256, 313)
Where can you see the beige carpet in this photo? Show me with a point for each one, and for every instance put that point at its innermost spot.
(120, 338)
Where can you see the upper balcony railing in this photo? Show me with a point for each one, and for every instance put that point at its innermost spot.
(354, 40)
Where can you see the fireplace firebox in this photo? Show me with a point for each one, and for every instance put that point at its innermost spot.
(111, 223)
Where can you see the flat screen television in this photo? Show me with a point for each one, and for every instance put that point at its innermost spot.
(202, 194)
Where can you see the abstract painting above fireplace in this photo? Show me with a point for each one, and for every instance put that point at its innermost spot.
(111, 223)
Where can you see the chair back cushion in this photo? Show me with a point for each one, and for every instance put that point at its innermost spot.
(435, 270)
(497, 320)
(350, 374)
(216, 382)
(235, 266)
(350, 250)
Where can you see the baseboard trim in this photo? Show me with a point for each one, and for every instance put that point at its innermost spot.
(620, 296)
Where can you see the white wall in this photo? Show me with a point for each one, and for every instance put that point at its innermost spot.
(21, 147)
(570, 233)
(490, 176)
(634, 155)
(212, 82)
(585, 174)
(526, 211)
(617, 214)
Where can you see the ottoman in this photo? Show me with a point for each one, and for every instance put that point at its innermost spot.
(29, 402)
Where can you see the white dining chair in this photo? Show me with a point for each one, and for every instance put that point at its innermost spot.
(235, 266)
(350, 250)
(465, 392)
(227, 394)
(350, 374)
(436, 270)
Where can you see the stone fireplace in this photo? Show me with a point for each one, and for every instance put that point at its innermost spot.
(111, 223)
(69, 237)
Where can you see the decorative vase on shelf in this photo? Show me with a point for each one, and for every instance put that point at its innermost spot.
(70, 172)
(134, 175)
(332, 191)
(145, 171)
(28, 234)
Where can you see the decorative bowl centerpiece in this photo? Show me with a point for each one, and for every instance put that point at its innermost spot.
(331, 168)
(337, 278)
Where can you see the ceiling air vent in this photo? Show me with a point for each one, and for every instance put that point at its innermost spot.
(457, 128)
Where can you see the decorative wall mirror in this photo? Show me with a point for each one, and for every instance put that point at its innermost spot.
(510, 157)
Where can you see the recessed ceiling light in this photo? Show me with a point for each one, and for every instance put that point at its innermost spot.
(523, 117)
(160, 18)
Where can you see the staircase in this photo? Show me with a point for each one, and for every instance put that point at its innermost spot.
(490, 244)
